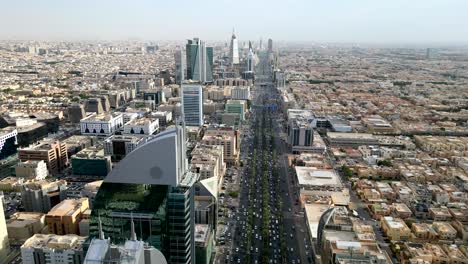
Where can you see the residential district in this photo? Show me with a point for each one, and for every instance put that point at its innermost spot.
(232, 152)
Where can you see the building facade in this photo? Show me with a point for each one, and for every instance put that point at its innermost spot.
(192, 104)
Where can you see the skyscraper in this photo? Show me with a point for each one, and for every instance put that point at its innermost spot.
(250, 59)
(199, 61)
(180, 65)
(153, 186)
(234, 49)
(270, 45)
(192, 104)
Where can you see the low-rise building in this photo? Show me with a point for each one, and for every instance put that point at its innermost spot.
(51, 151)
(31, 169)
(204, 245)
(118, 146)
(101, 125)
(44, 249)
(395, 228)
(23, 225)
(41, 196)
(91, 162)
(142, 126)
(64, 218)
(445, 230)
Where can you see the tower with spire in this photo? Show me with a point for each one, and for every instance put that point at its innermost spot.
(234, 49)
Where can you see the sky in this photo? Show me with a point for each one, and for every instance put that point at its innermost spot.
(346, 21)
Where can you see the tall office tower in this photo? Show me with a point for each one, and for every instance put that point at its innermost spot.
(234, 49)
(260, 46)
(76, 112)
(180, 66)
(270, 45)
(192, 104)
(250, 59)
(199, 61)
(4, 242)
(153, 187)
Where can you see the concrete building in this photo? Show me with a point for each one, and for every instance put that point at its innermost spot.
(4, 242)
(154, 95)
(76, 112)
(240, 93)
(351, 139)
(41, 196)
(395, 228)
(226, 137)
(204, 245)
(91, 162)
(118, 146)
(64, 218)
(51, 151)
(101, 125)
(208, 161)
(237, 107)
(94, 105)
(31, 169)
(90, 190)
(314, 179)
(23, 225)
(192, 104)
(142, 126)
(164, 117)
(45, 249)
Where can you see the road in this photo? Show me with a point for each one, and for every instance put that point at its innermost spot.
(268, 225)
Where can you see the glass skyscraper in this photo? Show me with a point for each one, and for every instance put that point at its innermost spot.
(153, 186)
(192, 104)
(199, 61)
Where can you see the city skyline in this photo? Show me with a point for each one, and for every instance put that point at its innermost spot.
(359, 21)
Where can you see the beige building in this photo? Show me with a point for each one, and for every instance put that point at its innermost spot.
(64, 218)
(208, 161)
(32, 169)
(395, 228)
(423, 231)
(51, 151)
(445, 230)
(4, 242)
(23, 225)
(226, 137)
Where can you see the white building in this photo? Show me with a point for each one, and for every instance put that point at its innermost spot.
(143, 126)
(42, 249)
(4, 243)
(32, 169)
(103, 124)
(192, 104)
(164, 117)
(118, 146)
(240, 93)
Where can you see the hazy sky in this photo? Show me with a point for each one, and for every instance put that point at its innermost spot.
(366, 21)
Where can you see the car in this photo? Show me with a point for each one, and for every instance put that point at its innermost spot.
(237, 249)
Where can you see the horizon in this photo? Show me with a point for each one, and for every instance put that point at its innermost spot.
(338, 21)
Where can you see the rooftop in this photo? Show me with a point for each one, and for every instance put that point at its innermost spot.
(54, 242)
(317, 177)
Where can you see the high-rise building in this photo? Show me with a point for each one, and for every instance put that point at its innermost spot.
(151, 191)
(4, 242)
(180, 66)
(270, 45)
(192, 104)
(234, 50)
(250, 59)
(199, 61)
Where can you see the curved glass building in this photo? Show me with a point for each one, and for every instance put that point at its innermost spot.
(153, 186)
